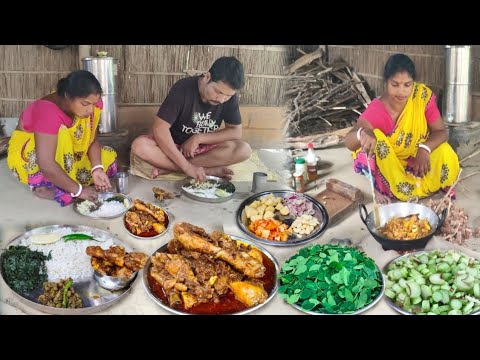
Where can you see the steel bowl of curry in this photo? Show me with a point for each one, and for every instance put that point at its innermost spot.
(146, 221)
(210, 273)
(403, 226)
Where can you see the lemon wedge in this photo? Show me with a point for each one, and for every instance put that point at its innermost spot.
(44, 239)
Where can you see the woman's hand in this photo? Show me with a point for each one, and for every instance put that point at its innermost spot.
(101, 180)
(88, 193)
(189, 147)
(368, 141)
(421, 164)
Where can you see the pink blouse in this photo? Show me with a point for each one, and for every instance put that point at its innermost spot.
(45, 117)
(377, 115)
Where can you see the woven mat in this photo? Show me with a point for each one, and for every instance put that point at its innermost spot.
(242, 171)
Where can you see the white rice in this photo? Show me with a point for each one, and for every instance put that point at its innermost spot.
(69, 259)
(108, 208)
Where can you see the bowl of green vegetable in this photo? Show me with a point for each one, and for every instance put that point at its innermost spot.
(331, 280)
(438, 282)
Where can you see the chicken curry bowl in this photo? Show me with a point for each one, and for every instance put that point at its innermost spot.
(145, 220)
(202, 273)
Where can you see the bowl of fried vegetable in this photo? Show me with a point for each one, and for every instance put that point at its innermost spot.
(403, 226)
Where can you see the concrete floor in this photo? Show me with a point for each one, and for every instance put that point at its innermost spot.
(21, 211)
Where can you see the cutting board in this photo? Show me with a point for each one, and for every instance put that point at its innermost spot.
(339, 199)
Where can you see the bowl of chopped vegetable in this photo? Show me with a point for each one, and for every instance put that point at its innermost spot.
(403, 226)
(438, 282)
(331, 280)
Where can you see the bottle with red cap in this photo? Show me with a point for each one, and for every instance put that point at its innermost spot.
(311, 160)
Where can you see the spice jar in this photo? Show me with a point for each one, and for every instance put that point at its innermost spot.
(299, 182)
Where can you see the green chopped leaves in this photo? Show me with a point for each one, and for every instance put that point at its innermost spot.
(24, 269)
(330, 279)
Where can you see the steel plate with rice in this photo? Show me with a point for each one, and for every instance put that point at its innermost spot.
(109, 205)
(200, 273)
(212, 190)
(68, 261)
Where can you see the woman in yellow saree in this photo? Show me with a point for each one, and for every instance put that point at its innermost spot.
(403, 136)
(54, 149)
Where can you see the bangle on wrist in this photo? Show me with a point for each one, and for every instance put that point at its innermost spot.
(80, 189)
(359, 133)
(97, 167)
(423, 146)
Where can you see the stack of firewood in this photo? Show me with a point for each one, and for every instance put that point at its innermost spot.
(322, 98)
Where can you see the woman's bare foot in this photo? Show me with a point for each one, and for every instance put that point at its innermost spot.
(220, 171)
(44, 193)
(382, 199)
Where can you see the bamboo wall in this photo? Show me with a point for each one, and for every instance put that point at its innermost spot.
(145, 72)
(369, 61)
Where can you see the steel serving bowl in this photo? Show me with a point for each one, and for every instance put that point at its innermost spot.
(170, 220)
(113, 283)
(165, 306)
(387, 212)
(293, 239)
(359, 311)
(395, 306)
(187, 182)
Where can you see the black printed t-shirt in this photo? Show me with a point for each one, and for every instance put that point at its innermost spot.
(185, 111)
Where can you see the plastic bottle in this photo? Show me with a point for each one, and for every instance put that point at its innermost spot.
(311, 160)
(299, 182)
(301, 167)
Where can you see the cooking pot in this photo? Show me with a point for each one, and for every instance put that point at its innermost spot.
(387, 212)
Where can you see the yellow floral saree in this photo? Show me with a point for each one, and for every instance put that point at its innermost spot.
(395, 152)
(71, 154)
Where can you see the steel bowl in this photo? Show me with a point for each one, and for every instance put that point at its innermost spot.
(170, 220)
(104, 196)
(187, 181)
(294, 239)
(386, 212)
(113, 283)
(395, 306)
(165, 306)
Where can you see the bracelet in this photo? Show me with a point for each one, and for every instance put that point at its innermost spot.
(359, 132)
(423, 146)
(97, 167)
(80, 189)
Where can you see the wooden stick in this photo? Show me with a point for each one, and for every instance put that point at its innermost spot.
(470, 156)
(470, 175)
(450, 190)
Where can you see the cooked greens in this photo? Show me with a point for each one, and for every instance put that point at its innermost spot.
(330, 279)
(24, 269)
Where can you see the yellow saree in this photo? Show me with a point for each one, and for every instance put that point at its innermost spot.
(394, 153)
(71, 154)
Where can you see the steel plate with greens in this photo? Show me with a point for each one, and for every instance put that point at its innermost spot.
(331, 279)
(212, 190)
(434, 283)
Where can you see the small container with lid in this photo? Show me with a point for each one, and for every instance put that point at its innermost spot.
(301, 166)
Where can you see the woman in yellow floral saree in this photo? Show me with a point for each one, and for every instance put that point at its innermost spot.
(403, 136)
(54, 148)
